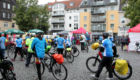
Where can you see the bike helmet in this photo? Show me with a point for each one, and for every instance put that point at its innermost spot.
(32, 35)
(95, 46)
(105, 35)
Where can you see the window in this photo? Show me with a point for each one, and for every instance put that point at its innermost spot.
(4, 15)
(75, 18)
(70, 18)
(61, 19)
(112, 7)
(61, 26)
(76, 26)
(69, 25)
(122, 19)
(61, 6)
(55, 6)
(5, 24)
(67, 11)
(13, 25)
(85, 3)
(8, 16)
(8, 6)
(13, 15)
(55, 26)
(71, 4)
(112, 17)
(85, 18)
(13, 8)
(104, 26)
(112, 1)
(85, 26)
(50, 6)
(112, 26)
(85, 10)
(4, 5)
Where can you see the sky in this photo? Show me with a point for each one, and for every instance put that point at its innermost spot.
(46, 1)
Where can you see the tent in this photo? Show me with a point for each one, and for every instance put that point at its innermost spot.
(134, 35)
(80, 31)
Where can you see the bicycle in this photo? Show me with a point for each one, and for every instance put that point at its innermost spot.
(95, 62)
(7, 70)
(53, 66)
(75, 51)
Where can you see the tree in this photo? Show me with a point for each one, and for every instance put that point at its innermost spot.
(28, 13)
(132, 11)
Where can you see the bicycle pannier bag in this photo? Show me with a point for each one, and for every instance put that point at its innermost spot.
(59, 58)
(121, 66)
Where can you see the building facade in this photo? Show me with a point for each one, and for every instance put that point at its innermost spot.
(65, 15)
(6, 14)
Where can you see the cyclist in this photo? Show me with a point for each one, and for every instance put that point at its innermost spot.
(30, 52)
(111, 38)
(60, 44)
(18, 44)
(107, 59)
(88, 38)
(28, 36)
(3, 43)
(54, 42)
(100, 39)
(39, 45)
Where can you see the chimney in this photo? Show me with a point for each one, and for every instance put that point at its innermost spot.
(55, 0)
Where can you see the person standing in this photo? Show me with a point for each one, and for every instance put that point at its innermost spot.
(1, 49)
(127, 42)
(82, 41)
(107, 59)
(122, 42)
(38, 46)
(111, 38)
(30, 51)
(18, 44)
(72, 40)
(27, 36)
(60, 44)
(100, 39)
(3, 44)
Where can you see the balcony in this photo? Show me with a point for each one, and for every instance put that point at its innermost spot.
(58, 15)
(96, 20)
(58, 29)
(111, 2)
(97, 28)
(57, 21)
(98, 12)
(94, 4)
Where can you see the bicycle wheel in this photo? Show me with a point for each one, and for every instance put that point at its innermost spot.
(69, 57)
(92, 64)
(11, 52)
(59, 71)
(32, 59)
(9, 75)
(76, 52)
(123, 77)
(42, 68)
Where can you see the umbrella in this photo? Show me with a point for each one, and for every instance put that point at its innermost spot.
(13, 31)
(1, 32)
(35, 30)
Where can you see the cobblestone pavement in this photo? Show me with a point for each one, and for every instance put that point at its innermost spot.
(77, 70)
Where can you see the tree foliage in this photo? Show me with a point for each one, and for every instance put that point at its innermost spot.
(29, 15)
(132, 11)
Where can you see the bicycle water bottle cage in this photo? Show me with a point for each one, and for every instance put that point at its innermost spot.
(68, 49)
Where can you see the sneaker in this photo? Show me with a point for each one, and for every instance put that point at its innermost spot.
(21, 59)
(109, 79)
(13, 59)
(95, 78)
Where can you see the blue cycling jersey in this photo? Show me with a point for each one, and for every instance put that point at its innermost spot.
(60, 42)
(67, 42)
(111, 38)
(3, 42)
(19, 42)
(100, 38)
(107, 44)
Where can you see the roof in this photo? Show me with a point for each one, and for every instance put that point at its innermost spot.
(67, 3)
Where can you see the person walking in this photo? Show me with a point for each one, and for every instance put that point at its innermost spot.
(18, 44)
(122, 42)
(127, 42)
(30, 51)
(38, 46)
(60, 44)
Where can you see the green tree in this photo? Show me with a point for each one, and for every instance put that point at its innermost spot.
(28, 13)
(132, 11)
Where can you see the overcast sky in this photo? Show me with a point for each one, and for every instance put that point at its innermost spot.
(46, 1)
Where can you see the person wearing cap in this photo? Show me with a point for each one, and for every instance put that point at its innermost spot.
(3, 44)
(60, 44)
(18, 44)
(30, 51)
(38, 46)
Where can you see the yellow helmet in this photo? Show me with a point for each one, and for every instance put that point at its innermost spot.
(95, 46)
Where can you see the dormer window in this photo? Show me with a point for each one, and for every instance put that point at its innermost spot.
(85, 3)
(71, 4)
(50, 6)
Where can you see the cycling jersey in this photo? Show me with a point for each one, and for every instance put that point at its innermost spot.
(67, 42)
(54, 40)
(88, 38)
(19, 42)
(107, 44)
(60, 42)
(3, 42)
(111, 38)
(100, 38)
(29, 44)
(40, 46)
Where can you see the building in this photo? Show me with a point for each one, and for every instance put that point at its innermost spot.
(122, 30)
(6, 12)
(65, 15)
